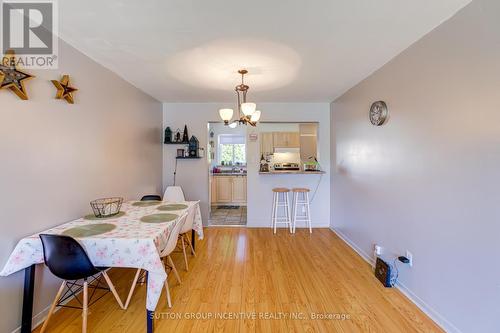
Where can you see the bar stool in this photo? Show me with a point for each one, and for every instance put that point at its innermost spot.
(301, 203)
(280, 200)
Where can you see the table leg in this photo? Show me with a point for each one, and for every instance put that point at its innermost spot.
(149, 322)
(192, 238)
(149, 314)
(29, 287)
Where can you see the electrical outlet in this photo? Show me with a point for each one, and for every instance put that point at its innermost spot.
(410, 258)
(378, 249)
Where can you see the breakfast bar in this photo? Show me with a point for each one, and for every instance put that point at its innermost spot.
(291, 172)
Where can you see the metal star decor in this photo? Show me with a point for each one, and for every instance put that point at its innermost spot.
(13, 78)
(64, 90)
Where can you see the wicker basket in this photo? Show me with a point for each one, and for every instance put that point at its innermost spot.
(106, 206)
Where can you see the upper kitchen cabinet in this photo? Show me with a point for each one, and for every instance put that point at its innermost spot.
(308, 141)
(286, 139)
(295, 143)
(266, 143)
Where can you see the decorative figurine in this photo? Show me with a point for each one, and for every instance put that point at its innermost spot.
(64, 90)
(264, 166)
(178, 136)
(185, 136)
(193, 147)
(201, 152)
(168, 135)
(13, 78)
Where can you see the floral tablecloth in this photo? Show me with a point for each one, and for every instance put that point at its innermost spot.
(131, 244)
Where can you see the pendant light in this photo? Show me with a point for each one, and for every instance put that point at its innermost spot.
(247, 112)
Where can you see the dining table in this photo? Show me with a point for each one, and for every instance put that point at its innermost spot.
(133, 238)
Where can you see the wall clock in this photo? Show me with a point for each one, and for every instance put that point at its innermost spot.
(378, 113)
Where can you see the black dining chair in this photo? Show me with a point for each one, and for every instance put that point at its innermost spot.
(151, 197)
(67, 260)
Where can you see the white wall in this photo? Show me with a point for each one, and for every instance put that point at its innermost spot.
(428, 180)
(55, 158)
(192, 175)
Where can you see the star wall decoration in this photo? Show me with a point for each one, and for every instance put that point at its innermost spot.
(13, 78)
(64, 90)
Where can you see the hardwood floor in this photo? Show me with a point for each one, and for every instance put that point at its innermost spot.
(241, 271)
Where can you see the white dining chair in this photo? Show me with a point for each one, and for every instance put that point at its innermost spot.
(183, 235)
(164, 255)
(174, 194)
(171, 244)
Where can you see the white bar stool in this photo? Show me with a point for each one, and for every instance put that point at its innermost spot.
(301, 204)
(280, 200)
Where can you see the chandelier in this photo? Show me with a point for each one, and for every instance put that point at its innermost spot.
(248, 115)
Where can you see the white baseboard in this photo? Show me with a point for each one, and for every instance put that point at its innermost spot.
(356, 248)
(39, 318)
(36, 320)
(427, 309)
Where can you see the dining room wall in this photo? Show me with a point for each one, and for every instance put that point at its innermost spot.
(428, 180)
(193, 175)
(56, 157)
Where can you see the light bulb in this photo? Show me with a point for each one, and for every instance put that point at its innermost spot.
(248, 108)
(255, 116)
(226, 114)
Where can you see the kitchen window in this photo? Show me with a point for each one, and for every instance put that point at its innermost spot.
(231, 149)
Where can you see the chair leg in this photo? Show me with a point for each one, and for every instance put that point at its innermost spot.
(190, 245)
(184, 251)
(85, 305)
(132, 288)
(174, 269)
(143, 279)
(53, 306)
(113, 290)
(169, 301)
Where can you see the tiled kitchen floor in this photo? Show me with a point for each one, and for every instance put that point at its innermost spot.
(221, 215)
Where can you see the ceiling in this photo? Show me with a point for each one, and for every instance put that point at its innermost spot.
(295, 50)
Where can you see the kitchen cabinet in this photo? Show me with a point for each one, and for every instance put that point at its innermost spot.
(266, 143)
(213, 190)
(239, 189)
(223, 189)
(286, 139)
(308, 141)
(229, 190)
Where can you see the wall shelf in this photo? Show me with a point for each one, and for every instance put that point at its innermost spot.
(175, 143)
(187, 158)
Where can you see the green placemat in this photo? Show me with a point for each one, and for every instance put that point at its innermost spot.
(146, 203)
(172, 207)
(158, 218)
(89, 230)
(92, 217)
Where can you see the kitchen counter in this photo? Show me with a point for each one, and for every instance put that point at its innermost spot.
(294, 172)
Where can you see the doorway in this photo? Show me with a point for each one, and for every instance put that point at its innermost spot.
(227, 169)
